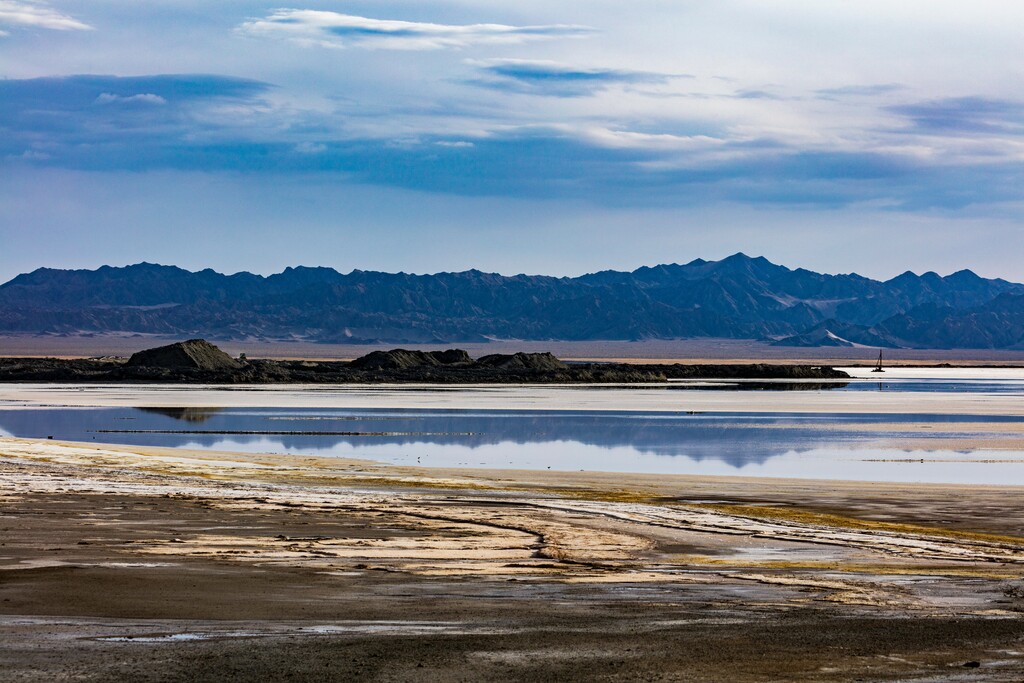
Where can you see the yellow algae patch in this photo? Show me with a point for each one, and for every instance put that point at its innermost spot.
(720, 520)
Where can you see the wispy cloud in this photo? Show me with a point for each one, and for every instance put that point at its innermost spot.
(334, 30)
(960, 115)
(70, 93)
(757, 94)
(539, 77)
(860, 90)
(141, 98)
(116, 117)
(35, 15)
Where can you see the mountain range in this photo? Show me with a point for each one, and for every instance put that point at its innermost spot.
(737, 297)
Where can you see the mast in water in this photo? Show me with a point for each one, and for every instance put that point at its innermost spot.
(878, 367)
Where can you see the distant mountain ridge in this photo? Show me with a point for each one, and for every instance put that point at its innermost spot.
(738, 297)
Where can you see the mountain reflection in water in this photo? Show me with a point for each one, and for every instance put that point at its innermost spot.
(191, 414)
(737, 439)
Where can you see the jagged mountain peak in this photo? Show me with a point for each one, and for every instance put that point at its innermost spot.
(964, 275)
(905, 276)
(742, 263)
(739, 297)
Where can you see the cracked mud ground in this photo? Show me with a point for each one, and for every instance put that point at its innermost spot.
(123, 563)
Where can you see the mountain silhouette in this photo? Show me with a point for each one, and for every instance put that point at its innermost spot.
(738, 297)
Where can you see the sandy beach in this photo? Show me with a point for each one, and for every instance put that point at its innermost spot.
(138, 563)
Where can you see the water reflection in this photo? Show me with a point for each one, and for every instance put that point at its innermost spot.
(721, 443)
(733, 438)
(191, 414)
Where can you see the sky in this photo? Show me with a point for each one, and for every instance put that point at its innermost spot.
(556, 137)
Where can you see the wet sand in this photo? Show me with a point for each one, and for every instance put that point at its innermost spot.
(129, 563)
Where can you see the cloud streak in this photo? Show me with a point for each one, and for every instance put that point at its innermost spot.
(33, 15)
(966, 115)
(141, 98)
(334, 30)
(538, 77)
(116, 118)
(872, 90)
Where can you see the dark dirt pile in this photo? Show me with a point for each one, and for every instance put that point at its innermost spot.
(194, 354)
(399, 359)
(523, 361)
(199, 361)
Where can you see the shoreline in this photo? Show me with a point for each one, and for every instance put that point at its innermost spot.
(651, 484)
(305, 471)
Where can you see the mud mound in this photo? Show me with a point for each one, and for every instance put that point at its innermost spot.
(524, 361)
(400, 359)
(194, 354)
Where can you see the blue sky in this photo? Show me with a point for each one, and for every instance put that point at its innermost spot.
(557, 137)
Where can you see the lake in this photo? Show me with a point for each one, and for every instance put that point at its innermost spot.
(936, 425)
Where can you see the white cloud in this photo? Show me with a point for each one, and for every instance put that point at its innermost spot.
(36, 15)
(141, 98)
(310, 148)
(30, 155)
(334, 30)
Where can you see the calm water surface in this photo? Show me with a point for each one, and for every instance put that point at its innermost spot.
(849, 445)
(722, 443)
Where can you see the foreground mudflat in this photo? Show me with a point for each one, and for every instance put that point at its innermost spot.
(157, 564)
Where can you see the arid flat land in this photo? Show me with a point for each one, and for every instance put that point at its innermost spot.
(651, 351)
(146, 564)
